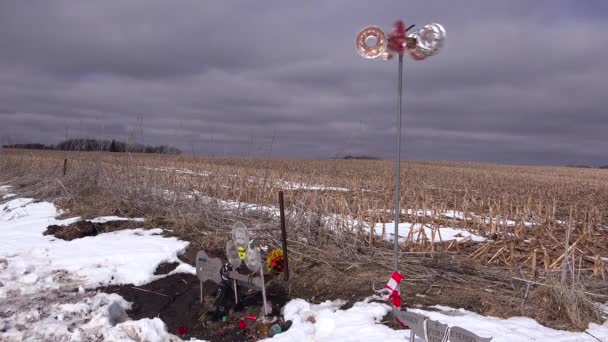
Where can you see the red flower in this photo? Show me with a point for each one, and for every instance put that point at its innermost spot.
(242, 325)
(182, 331)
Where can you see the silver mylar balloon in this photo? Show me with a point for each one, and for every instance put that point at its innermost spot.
(232, 254)
(240, 234)
(429, 40)
(254, 259)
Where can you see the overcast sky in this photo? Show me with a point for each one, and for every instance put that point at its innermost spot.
(517, 81)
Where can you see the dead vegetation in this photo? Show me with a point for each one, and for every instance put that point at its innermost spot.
(536, 220)
(568, 302)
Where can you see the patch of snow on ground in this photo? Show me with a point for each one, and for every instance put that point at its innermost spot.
(335, 220)
(459, 215)
(80, 317)
(603, 308)
(5, 192)
(303, 186)
(236, 205)
(326, 322)
(420, 233)
(282, 184)
(104, 219)
(179, 171)
(125, 256)
(455, 214)
(511, 329)
(43, 279)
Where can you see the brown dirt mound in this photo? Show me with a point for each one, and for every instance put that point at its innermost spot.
(82, 229)
(175, 300)
(165, 268)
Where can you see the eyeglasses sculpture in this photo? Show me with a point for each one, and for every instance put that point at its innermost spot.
(239, 250)
(373, 43)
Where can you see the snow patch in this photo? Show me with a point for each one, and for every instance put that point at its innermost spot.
(105, 219)
(459, 215)
(287, 185)
(43, 279)
(82, 318)
(121, 257)
(179, 171)
(303, 186)
(5, 192)
(420, 232)
(326, 322)
(511, 329)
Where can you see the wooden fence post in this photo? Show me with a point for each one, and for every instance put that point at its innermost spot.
(284, 235)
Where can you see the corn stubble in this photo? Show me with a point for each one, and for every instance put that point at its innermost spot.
(538, 221)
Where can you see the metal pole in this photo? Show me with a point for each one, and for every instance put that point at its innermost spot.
(398, 167)
(284, 236)
(236, 294)
(264, 302)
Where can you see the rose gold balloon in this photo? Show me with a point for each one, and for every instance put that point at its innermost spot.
(375, 51)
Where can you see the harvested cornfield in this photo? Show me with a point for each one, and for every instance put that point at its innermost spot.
(468, 227)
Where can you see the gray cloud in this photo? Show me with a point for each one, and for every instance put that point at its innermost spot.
(517, 82)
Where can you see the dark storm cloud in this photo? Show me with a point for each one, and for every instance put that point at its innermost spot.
(517, 81)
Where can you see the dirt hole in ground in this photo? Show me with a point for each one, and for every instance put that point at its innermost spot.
(176, 300)
(165, 268)
(82, 229)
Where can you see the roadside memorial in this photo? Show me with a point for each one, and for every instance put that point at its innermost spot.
(207, 269)
(458, 334)
(275, 261)
(413, 320)
(435, 331)
(239, 250)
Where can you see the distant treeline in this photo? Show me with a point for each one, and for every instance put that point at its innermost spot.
(348, 156)
(89, 145)
(588, 166)
(360, 157)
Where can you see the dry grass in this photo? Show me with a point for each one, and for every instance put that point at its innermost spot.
(179, 190)
(488, 195)
(566, 303)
